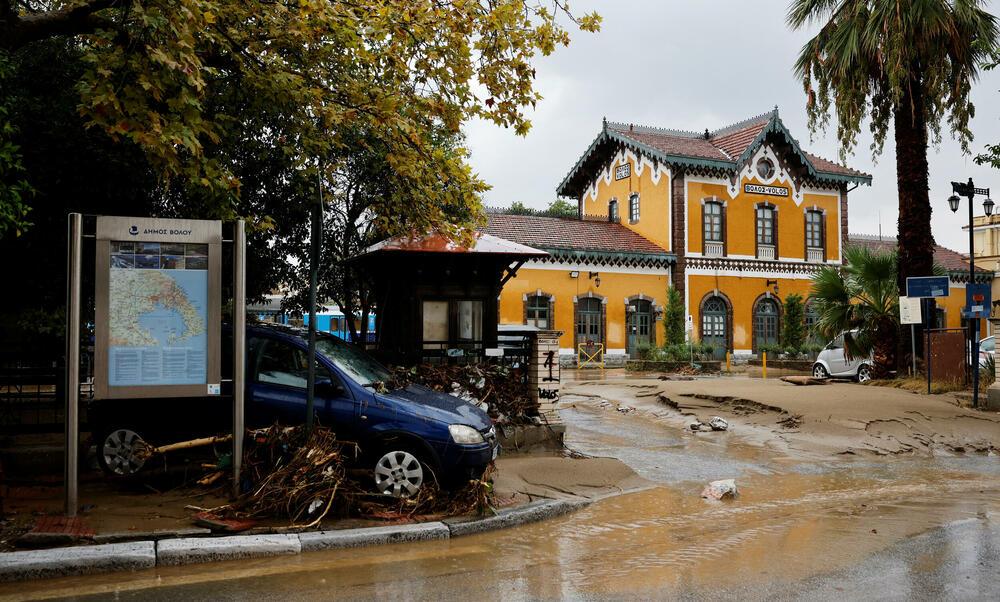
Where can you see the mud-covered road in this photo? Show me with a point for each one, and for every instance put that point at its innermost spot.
(811, 522)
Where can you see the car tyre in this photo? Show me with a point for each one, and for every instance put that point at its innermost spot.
(864, 373)
(819, 371)
(399, 472)
(120, 452)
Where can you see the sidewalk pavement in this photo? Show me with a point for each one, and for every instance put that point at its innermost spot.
(169, 551)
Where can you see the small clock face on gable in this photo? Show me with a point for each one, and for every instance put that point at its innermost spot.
(765, 169)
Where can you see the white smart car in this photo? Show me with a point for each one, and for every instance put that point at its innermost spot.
(832, 361)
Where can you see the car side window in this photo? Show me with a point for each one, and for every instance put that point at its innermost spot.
(838, 342)
(988, 345)
(281, 363)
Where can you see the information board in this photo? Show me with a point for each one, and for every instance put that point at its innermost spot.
(909, 310)
(977, 300)
(157, 325)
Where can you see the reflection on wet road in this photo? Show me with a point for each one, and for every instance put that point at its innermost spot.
(857, 528)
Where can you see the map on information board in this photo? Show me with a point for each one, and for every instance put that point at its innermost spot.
(158, 301)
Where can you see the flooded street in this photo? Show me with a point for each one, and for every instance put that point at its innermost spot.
(857, 527)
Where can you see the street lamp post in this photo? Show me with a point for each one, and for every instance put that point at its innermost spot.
(969, 190)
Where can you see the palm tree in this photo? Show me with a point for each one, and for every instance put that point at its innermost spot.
(905, 63)
(860, 300)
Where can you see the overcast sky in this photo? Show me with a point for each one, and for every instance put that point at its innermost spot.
(695, 65)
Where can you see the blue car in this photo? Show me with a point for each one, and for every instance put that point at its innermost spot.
(407, 436)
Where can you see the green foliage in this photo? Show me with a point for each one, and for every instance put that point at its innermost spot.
(860, 300)
(682, 352)
(557, 208)
(673, 317)
(793, 332)
(646, 351)
(399, 70)
(14, 188)
(869, 55)
(773, 350)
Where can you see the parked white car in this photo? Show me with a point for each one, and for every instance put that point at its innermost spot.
(987, 347)
(832, 361)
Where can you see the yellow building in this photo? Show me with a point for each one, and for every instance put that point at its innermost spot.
(986, 244)
(735, 219)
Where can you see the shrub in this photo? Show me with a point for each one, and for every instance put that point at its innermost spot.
(773, 350)
(793, 333)
(673, 318)
(987, 374)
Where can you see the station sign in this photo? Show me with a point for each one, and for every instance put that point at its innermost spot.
(623, 171)
(157, 316)
(761, 189)
(925, 287)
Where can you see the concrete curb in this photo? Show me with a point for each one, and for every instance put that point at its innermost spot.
(353, 538)
(80, 560)
(529, 513)
(63, 562)
(190, 550)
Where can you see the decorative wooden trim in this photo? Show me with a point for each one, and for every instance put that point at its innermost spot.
(753, 317)
(729, 316)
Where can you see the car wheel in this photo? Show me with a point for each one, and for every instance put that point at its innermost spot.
(819, 371)
(399, 473)
(864, 373)
(121, 452)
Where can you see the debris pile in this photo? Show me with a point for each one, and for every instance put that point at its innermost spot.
(502, 391)
(293, 474)
(303, 478)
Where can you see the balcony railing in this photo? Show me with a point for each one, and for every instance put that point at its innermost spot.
(765, 252)
(815, 255)
(713, 249)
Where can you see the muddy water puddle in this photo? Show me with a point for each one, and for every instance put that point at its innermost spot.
(794, 520)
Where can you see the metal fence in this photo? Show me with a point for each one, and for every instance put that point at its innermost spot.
(32, 392)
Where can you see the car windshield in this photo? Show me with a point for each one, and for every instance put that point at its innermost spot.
(357, 364)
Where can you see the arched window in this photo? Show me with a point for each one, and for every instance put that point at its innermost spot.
(714, 329)
(765, 322)
(812, 317)
(633, 208)
(767, 231)
(613, 210)
(537, 311)
(640, 324)
(589, 321)
(713, 229)
(815, 238)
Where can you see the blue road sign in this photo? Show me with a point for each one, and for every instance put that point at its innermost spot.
(927, 286)
(977, 300)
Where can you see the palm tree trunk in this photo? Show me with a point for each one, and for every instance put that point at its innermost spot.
(916, 243)
(884, 354)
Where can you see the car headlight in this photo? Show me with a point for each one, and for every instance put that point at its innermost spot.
(461, 433)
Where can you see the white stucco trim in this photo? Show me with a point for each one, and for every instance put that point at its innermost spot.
(567, 266)
(745, 274)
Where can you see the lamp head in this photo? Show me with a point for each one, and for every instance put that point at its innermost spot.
(988, 206)
(953, 201)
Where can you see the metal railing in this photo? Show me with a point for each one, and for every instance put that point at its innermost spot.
(765, 252)
(815, 255)
(713, 249)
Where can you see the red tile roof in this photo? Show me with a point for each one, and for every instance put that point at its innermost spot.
(735, 143)
(726, 144)
(559, 233)
(951, 261)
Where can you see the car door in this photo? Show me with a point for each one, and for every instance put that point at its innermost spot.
(836, 357)
(278, 388)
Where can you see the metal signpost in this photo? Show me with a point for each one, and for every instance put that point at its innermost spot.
(927, 287)
(239, 347)
(909, 313)
(977, 305)
(74, 272)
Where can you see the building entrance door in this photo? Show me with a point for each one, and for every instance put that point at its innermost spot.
(714, 327)
(640, 326)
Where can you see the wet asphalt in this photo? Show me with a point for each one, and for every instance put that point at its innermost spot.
(856, 529)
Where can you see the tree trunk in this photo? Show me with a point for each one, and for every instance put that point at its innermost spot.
(916, 243)
(884, 354)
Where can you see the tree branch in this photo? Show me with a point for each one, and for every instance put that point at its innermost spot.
(17, 32)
